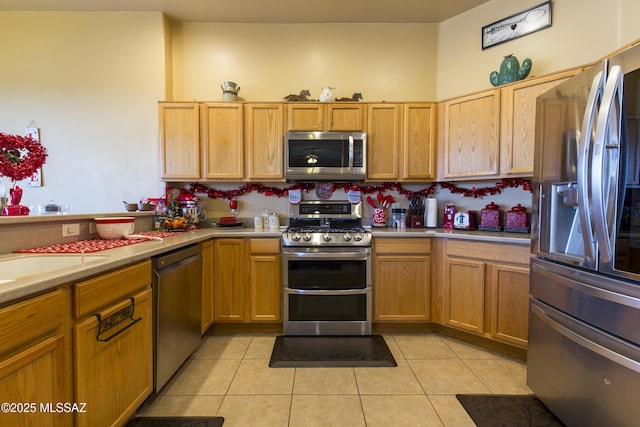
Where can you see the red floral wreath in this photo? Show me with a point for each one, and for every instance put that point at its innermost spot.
(20, 156)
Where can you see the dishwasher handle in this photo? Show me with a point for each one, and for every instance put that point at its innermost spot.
(177, 256)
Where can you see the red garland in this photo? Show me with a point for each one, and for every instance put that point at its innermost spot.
(474, 192)
(20, 156)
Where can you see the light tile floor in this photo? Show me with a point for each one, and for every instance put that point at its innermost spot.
(229, 376)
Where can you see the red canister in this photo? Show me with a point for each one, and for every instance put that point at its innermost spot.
(490, 218)
(517, 220)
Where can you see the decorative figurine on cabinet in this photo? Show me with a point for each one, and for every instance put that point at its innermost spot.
(510, 71)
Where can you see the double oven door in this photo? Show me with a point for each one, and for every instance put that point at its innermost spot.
(327, 291)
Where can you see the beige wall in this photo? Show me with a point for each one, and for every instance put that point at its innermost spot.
(422, 62)
(582, 31)
(90, 82)
(269, 61)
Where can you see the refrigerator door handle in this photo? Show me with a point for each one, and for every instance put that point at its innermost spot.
(604, 164)
(584, 148)
(585, 288)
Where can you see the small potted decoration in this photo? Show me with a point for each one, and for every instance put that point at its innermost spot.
(20, 157)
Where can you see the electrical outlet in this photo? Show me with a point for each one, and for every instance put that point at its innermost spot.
(69, 230)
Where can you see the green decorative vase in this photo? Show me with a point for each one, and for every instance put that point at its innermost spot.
(510, 71)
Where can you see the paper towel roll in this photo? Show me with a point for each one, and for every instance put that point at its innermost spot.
(432, 212)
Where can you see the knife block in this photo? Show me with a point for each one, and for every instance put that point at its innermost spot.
(417, 221)
(414, 221)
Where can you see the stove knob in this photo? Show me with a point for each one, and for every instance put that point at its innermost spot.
(296, 236)
(326, 237)
(346, 237)
(306, 237)
(357, 237)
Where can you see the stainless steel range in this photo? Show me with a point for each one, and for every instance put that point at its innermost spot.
(326, 270)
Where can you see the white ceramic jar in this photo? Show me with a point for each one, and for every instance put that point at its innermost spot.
(274, 221)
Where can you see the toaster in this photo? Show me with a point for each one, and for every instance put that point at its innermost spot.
(465, 220)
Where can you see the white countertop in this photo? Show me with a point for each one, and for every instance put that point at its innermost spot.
(122, 256)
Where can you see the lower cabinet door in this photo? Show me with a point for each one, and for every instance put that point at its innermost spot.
(114, 367)
(31, 383)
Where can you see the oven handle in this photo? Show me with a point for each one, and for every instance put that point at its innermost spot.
(366, 290)
(340, 256)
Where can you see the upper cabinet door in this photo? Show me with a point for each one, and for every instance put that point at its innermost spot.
(345, 117)
(518, 111)
(222, 139)
(384, 122)
(305, 116)
(316, 116)
(264, 139)
(419, 142)
(179, 135)
(472, 136)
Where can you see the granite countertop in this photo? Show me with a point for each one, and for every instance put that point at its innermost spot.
(119, 257)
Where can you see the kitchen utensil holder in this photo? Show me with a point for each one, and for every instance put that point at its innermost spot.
(115, 319)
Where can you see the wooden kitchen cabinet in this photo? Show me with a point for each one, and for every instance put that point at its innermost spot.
(492, 133)
(264, 147)
(33, 363)
(222, 140)
(113, 353)
(419, 142)
(179, 135)
(402, 277)
(265, 280)
(384, 141)
(471, 136)
(518, 121)
(464, 294)
(207, 285)
(486, 289)
(509, 303)
(316, 116)
(229, 285)
(401, 142)
(248, 285)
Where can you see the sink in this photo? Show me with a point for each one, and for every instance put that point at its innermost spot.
(30, 265)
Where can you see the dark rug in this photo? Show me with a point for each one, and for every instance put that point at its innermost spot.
(509, 410)
(331, 352)
(176, 422)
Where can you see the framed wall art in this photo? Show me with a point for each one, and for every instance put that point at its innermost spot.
(517, 25)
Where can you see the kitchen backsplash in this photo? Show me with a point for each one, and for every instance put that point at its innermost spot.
(253, 203)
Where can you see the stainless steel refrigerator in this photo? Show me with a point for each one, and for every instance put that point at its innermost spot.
(584, 319)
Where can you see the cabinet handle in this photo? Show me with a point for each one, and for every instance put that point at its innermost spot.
(115, 319)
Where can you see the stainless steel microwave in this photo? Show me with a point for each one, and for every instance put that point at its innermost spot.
(324, 156)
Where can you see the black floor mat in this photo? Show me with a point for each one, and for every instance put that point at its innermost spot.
(517, 410)
(176, 422)
(331, 352)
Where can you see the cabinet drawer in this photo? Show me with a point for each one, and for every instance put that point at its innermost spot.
(24, 321)
(517, 254)
(91, 295)
(398, 245)
(264, 246)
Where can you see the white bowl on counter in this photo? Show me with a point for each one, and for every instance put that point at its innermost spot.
(116, 227)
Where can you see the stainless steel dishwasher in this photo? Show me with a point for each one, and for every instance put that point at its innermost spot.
(177, 310)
